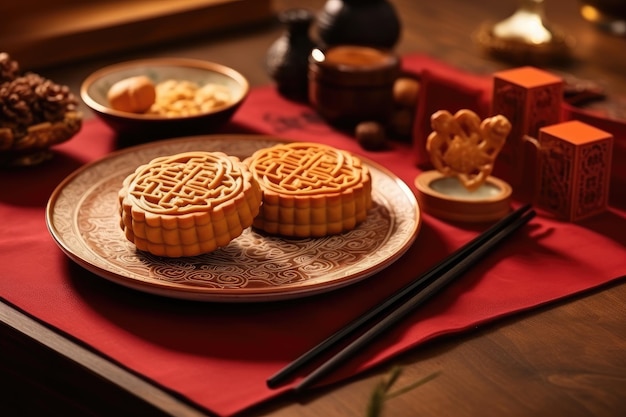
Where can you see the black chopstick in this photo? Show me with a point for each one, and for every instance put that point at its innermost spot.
(412, 303)
(404, 293)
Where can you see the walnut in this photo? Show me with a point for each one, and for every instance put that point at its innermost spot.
(54, 100)
(9, 69)
(31, 99)
(370, 135)
(35, 113)
(16, 98)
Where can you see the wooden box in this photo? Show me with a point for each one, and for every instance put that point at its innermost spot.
(574, 169)
(530, 98)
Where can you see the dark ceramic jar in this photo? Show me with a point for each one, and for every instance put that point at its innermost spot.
(350, 83)
(358, 22)
(286, 59)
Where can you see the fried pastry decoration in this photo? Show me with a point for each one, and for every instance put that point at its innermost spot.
(463, 146)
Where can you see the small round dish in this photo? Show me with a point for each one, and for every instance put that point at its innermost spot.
(446, 198)
(95, 88)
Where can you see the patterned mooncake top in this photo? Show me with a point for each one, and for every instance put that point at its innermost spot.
(187, 182)
(303, 168)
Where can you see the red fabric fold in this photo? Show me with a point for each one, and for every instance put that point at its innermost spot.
(218, 356)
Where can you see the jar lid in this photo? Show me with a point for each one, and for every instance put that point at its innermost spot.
(354, 65)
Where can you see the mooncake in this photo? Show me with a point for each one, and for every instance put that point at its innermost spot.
(188, 204)
(310, 190)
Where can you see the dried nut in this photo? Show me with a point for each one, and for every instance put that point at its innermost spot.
(9, 68)
(401, 121)
(47, 134)
(133, 95)
(175, 98)
(405, 91)
(370, 135)
(6, 138)
(35, 114)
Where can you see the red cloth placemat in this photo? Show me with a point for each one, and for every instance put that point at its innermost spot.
(218, 356)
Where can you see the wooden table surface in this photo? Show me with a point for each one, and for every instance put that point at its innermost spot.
(566, 359)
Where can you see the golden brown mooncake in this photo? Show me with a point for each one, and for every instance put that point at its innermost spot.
(310, 190)
(188, 204)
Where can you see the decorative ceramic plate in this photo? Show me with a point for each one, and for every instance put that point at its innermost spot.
(82, 216)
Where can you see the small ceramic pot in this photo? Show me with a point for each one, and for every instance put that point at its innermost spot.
(349, 84)
(287, 57)
(372, 23)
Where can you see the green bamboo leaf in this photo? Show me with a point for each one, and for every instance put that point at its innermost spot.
(412, 386)
(381, 393)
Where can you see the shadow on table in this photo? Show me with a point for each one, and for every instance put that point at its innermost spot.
(32, 186)
(227, 329)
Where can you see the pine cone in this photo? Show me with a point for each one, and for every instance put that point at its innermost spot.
(9, 69)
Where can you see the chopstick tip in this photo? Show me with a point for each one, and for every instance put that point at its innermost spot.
(274, 381)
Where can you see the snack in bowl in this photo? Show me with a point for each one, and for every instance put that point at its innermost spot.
(186, 98)
(310, 189)
(188, 204)
(191, 97)
(169, 98)
(134, 94)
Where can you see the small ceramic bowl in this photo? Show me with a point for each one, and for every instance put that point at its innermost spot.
(95, 88)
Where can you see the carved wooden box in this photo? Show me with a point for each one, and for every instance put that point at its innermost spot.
(530, 98)
(574, 169)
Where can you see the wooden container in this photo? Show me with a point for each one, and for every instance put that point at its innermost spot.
(530, 98)
(349, 84)
(574, 169)
(446, 198)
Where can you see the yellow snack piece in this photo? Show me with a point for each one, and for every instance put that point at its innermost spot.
(133, 94)
(176, 98)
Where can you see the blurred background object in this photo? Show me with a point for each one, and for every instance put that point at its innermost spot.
(608, 15)
(372, 23)
(68, 30)
(526, 37)
(287, 58)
